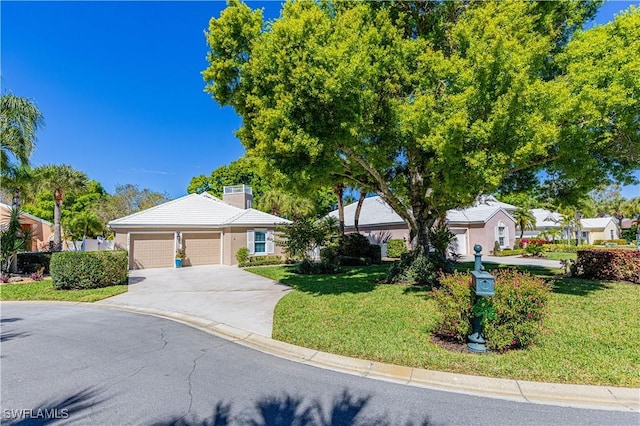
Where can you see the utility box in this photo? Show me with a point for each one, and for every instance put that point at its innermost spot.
(483, 283)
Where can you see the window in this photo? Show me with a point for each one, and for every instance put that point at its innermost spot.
(611, 234)
(502, 234)
(260, 242)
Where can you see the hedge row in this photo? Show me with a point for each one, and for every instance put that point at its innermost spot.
(261, 261)
(618, 265)
(74, 270)
(29, 263)
(395, 248)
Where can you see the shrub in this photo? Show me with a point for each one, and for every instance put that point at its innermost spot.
(354, 244)
(329, 254)
(242, 255)
(533, 249)
(307, 267)
(375, 253)
(441, 238)
(261, 261)
(510, 252)
(620, 265)
(88, 269)
(395, 248)
(604, 242)
(32, 262)
(519, 306)
(353, 261)
(417, 268)
(496, 248)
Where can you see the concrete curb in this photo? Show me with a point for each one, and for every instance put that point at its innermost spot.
(577, 396)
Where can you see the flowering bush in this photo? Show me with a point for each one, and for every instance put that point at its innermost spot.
(608, 265)
(534, 248)
(519, 306)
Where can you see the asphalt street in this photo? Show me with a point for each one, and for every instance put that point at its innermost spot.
(91, 365)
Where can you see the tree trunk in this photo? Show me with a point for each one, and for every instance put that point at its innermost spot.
(58, 197)
(419, 234)
(16, 198)
(356, 217)
(339, 191)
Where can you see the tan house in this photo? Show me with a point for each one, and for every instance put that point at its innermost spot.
(208, 229)
(598, 228)
(41, 230)
(486, 222)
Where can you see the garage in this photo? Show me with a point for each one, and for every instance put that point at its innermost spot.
(201, 248)
(151, 250)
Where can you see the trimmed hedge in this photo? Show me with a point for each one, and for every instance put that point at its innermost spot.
(605, 242)
(396, 248)
(261, 261)
(513, 316)
(616, 264)
(509, 252)
(29, 263)
(74, 270)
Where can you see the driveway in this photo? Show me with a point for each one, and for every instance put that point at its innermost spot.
(222, 294)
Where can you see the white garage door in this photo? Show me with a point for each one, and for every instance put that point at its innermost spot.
(151, 251)
(201, 249)
(460, 244)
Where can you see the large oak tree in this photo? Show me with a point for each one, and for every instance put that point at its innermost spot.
(430, 104)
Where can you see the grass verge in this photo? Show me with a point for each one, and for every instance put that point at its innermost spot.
(43, 290)
(591, 327)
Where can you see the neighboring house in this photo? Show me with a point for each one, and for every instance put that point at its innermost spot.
(209, 230)
(545, 220)
(599, 228)
(486, 222)
(41, 230)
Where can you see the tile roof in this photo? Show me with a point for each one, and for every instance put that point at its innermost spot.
(376, 212)
(196, 210)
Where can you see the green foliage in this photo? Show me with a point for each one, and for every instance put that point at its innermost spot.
(89, 269)
(524, 219)
(496, 248)
(507, 252)
(13, 240)
(417, 268)
(20, 120)
(308, 267)
(353, 261)
(467, 98)
(623, 265)
(512, 318)
(261, 261)
(242, 255)
(329, 254)
(630, 234)
(395, 248)
(33, 262)
(303, 236)
(534, 249)
(441, 237)
(354, 249)
(604, 242)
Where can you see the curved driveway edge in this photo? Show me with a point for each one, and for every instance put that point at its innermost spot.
(577, 396)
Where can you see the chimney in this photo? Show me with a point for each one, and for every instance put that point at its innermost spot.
(240, 196)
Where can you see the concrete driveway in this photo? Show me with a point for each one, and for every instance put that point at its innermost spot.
(222, 294)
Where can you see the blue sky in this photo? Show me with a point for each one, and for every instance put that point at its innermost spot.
(120, 87)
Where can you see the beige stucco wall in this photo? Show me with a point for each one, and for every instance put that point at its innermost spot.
(603, 234)
(233, 238)
(40, 232)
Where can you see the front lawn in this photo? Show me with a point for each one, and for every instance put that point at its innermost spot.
(43, 290)
(591, 339)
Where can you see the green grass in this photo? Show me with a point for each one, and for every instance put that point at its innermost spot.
(43, 290)
(591, 333)
(560, 256)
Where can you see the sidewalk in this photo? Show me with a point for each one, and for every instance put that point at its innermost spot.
(578, 396)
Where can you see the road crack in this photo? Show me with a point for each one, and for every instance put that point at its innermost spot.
(193, 370)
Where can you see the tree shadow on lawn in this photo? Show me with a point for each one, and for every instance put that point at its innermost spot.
(577, 286)
(360, 279)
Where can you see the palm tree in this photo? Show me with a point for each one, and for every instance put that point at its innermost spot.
(525, 220)
(85, 224)
(58, 178)
(19, 122)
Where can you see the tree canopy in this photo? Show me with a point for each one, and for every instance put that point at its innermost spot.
(430, 104)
